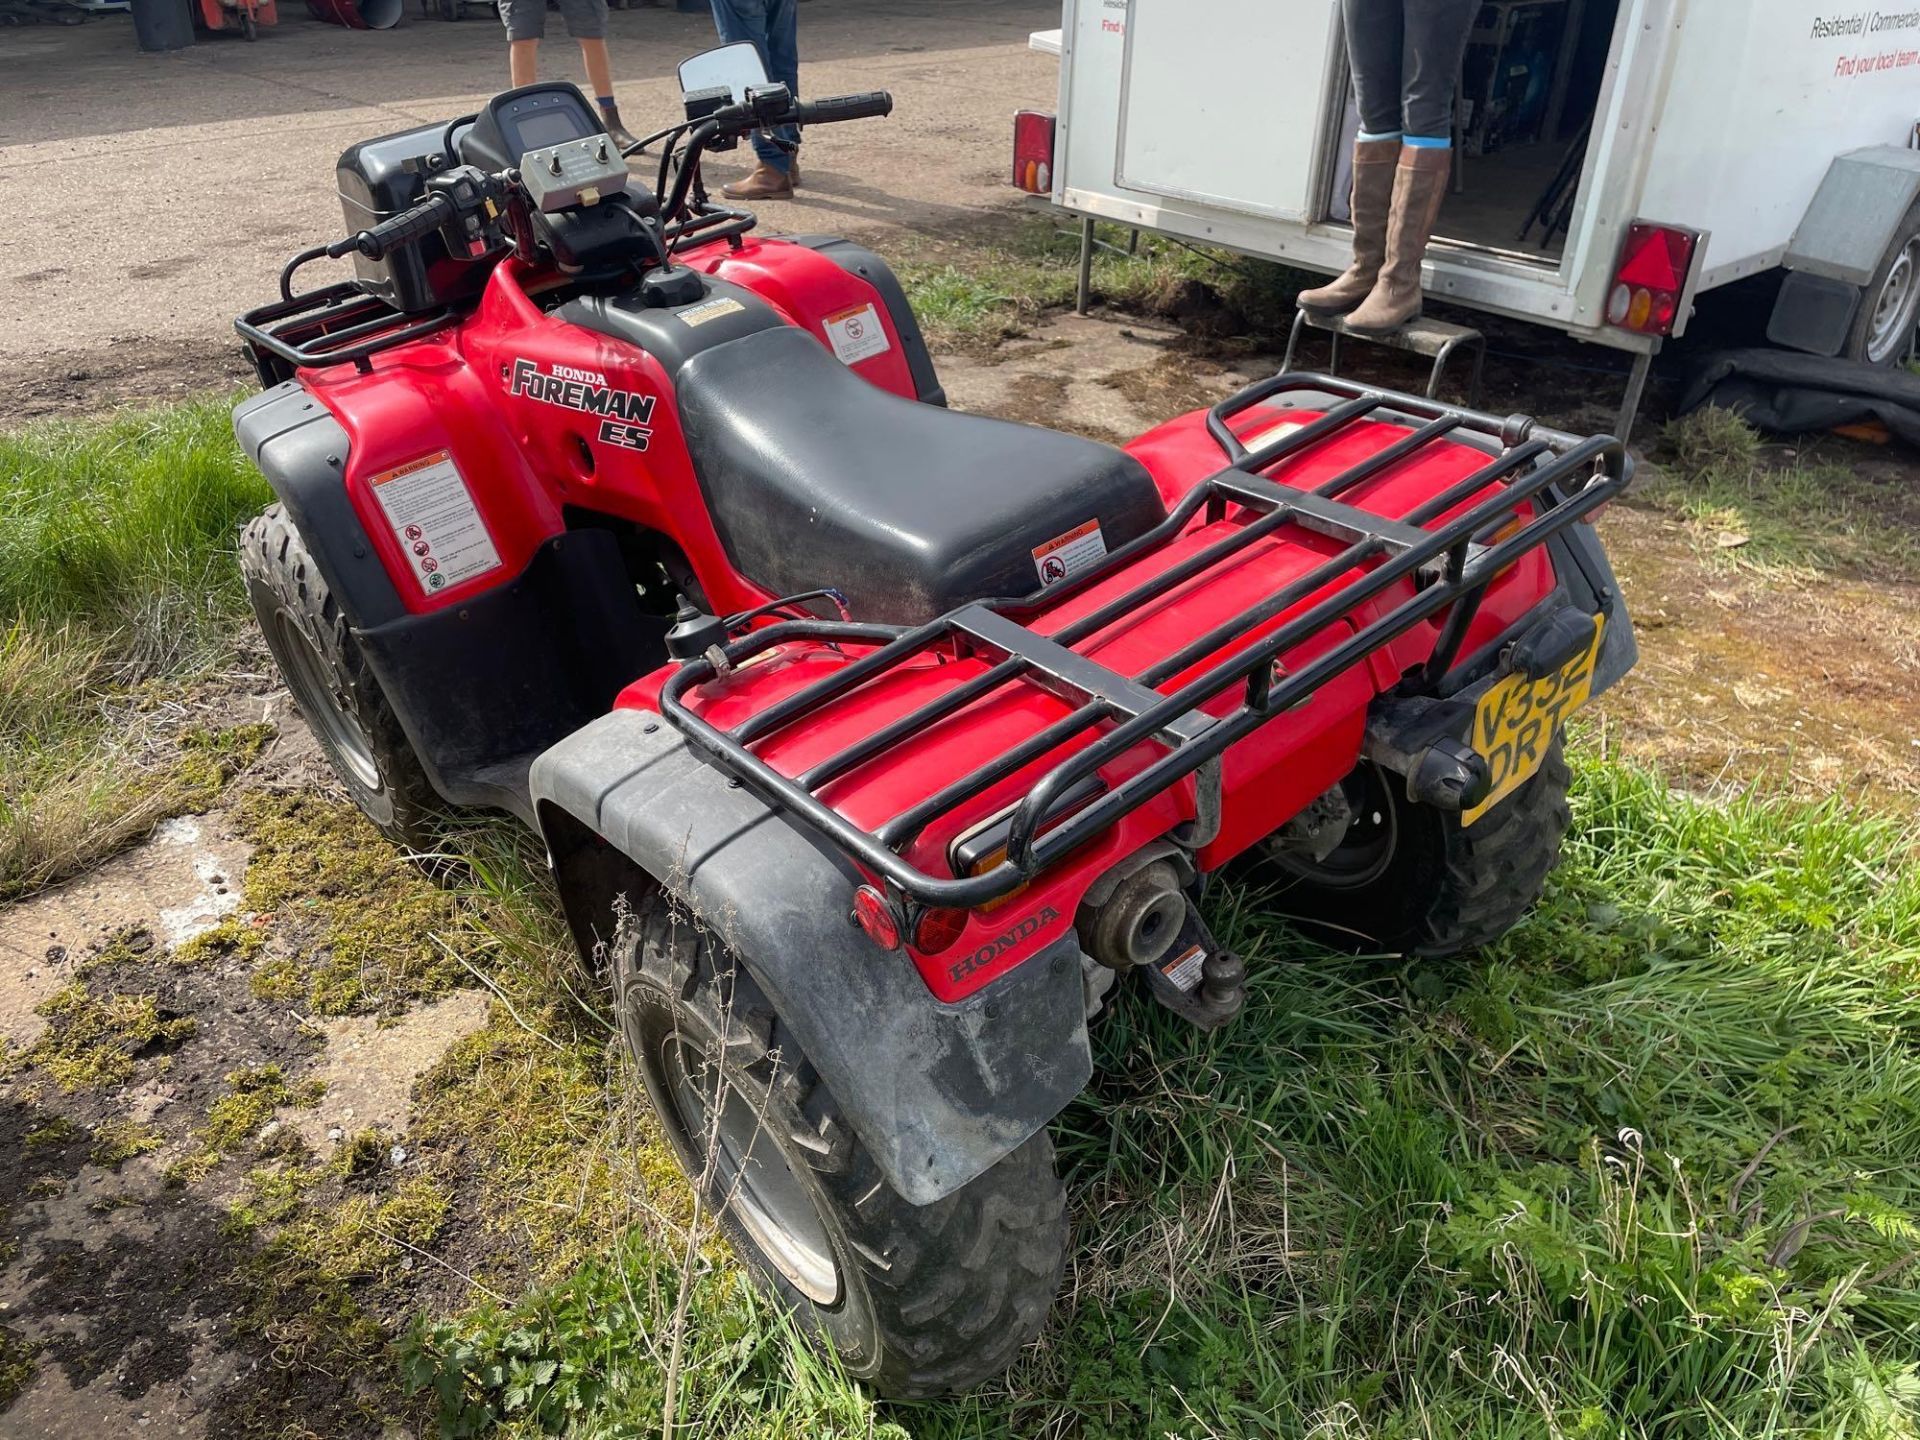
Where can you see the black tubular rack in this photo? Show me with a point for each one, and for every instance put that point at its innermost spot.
(334, 325)
(1568, 477)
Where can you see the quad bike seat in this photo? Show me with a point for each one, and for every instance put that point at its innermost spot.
(816, 479)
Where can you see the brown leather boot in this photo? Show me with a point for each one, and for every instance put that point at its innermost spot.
(1419, 188)
(765, 183)
(1370, 199)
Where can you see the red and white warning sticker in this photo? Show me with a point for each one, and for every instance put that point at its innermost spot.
(857, 334)
(1067, 555)
(433, 516)
(1184, 969)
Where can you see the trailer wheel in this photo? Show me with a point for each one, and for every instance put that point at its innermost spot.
(1883, 327)
(331, 683)
(916, 1300)
(1412, 880)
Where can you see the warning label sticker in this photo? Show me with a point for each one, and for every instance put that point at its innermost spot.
(709, 310)
(1184, 970)
(436, 522)
(857, 334)
(1067, 555)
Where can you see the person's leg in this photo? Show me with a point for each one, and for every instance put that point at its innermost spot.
(745, 21)
(1375, 37)
(1373, 50)
(587, 23)
(1436, 39)
(523, 59)
(593, 54)
(1436, 42)
(783, 65)
(525, 22)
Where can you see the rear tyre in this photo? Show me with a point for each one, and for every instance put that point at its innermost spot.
(333, 687)
(916, 1300)
(1408, 879)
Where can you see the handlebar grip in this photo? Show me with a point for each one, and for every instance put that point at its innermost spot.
(402, 229)
(843, 107)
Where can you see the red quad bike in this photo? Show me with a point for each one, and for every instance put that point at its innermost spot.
(872, 743)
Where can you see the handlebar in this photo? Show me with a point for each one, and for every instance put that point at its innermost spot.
(390, 234)
(870, 106)
(761, 109)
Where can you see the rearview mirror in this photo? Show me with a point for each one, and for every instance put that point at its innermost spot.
(737, 67)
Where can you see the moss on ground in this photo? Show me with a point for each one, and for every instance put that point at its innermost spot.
(17, 1364)
(235, 1120)
(117, 1141)
(93, 1041)
(234, 937)
(381, 931)
(50, 1131)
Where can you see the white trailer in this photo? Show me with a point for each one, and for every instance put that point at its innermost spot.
(1718, 138)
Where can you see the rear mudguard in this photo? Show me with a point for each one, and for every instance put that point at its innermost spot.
(936, 1092)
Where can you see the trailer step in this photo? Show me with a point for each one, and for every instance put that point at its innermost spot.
(1437, 339)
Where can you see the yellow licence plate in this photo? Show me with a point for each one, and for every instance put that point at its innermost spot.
(1515, 722)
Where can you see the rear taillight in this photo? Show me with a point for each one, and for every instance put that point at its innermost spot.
(1033, 151)
(873, 914)
(1652, 275)
(938, 929)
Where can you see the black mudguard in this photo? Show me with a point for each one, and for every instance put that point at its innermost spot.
(482, 687)
(937, 1093)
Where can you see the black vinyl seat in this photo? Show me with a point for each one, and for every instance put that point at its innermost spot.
(816, 478)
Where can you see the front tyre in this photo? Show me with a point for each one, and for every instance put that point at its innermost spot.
(1408, 879)
(916, 1300)
(337, 694)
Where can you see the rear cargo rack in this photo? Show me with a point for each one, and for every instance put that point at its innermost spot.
(1452, 562)
(334, 325)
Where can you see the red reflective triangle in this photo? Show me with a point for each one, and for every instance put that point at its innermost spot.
(1656, 259)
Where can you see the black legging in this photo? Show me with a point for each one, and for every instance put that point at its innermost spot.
(1406, 60)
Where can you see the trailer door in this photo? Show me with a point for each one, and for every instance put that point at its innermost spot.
(1228, 103)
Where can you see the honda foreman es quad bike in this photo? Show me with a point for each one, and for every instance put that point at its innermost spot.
(872, 743)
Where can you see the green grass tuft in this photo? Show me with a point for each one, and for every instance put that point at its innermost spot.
(126, 527)
(118, 586)
(1785, 513)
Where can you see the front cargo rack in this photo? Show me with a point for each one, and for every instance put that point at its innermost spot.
(1456, 560)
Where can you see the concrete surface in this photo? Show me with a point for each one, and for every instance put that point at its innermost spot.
(180, 883)
(151, 197)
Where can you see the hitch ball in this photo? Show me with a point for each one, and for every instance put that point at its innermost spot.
(1139, 922)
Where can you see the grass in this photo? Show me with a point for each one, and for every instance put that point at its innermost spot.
(1786, 513)
(972, 290)
(1647, 1168)
(117, 589)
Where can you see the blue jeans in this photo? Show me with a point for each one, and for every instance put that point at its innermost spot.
(773, 27)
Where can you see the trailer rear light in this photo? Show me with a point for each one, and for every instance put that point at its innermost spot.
(938, 929)
(1033, 151)
(1651, 278)
(875, 916)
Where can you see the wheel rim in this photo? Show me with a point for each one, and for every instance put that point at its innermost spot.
(1368, 847)
(752, 1173)
(307, 678)
(1894, 306)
